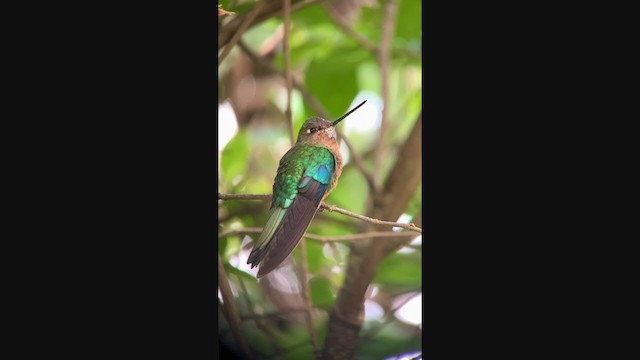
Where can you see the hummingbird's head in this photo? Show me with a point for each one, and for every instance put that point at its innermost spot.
(317, 129)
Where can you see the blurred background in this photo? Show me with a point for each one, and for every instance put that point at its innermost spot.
(337, 60)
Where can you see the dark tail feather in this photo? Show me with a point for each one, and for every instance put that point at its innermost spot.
(295, 222)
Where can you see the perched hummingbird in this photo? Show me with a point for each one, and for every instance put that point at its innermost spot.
(307, 173)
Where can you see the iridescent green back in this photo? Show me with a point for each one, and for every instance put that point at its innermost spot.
(301, 160)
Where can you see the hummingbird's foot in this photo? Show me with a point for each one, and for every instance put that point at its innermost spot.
(326, 207)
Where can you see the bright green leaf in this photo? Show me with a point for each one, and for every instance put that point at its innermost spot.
(409, 19)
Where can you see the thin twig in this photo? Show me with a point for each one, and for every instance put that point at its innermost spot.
(243, 27)
(233, 318)
(366, 43)
(347, 29)
(410, 226)
(324, 206)
(287, 67)
(269, 10)
(327, 238)
(388, 27)
(306, 295)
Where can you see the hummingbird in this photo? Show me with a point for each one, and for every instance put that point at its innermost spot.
(307, 174)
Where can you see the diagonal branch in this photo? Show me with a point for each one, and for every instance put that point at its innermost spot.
(347, 29)
(246, 22)
(268, 10)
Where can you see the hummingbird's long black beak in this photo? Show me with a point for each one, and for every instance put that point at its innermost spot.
(347, 114)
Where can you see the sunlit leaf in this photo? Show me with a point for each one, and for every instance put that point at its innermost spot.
(409, 16)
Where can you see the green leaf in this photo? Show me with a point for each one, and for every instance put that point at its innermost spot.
(315, 256)
(256, 337)
(352, 191)
(222, 245)
(389, 343)
(333, 80)
(369, 76)
(297, 353)
(321, 295)
(415, 204)
(409, 20)
(232, 247)
(401, 269)
(311, 16)
(235, 157)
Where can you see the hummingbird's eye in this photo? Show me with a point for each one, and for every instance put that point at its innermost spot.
(312, 130)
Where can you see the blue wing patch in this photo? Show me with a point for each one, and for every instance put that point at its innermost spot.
(320, 173)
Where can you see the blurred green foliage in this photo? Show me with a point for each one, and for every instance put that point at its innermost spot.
(335, 69)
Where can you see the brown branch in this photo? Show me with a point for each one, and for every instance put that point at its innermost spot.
(287, 68)
(388, 27)
(328, 238)
(324, 206)
(345, 319)
(369, 219)
(243, 27)
(306, 295)
(233, 318)
(269, 10)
